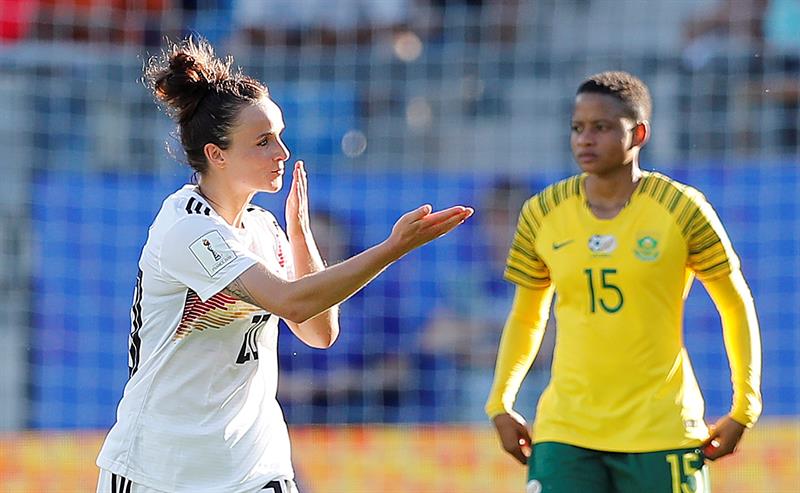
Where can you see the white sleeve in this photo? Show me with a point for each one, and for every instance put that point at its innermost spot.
(204, 255)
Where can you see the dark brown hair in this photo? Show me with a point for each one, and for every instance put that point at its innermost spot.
(627, 88)
(202, 94)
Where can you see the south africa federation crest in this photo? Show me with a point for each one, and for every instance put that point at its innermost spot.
(647, 249)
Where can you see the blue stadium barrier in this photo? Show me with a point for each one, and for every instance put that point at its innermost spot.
(90, 228)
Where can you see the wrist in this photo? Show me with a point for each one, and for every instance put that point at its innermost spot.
(298, 234)
(388, 251)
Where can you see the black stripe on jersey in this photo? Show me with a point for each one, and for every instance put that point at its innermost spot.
(711, 268)
(513, 271)
(673, 196)
(552, 196)
(194, 206)
(120, 484)
(524, 263)
(705, 246)
(543, 204)
(685, 217)
(643, 186)
(704, 233)
(135, 342)
(689, 226)
(529, 217)
(676, 198)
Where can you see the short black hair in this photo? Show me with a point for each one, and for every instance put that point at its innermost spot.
(627, 88)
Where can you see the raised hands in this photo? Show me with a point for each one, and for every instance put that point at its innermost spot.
(421, 225)
(412, 230)
(297, 216)
(317, 288)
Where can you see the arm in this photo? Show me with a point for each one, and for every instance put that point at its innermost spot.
(522, 337)
(306, 297)
(734, 302)
(712, 258)
(320, 331)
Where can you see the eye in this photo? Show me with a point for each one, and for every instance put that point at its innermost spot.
(264, 142)
(576, 129)
(601, 127)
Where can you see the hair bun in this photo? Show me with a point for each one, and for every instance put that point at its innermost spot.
(186, 64)
(183, 76)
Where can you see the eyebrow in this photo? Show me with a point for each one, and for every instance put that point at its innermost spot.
(599, 120)
(271, 132)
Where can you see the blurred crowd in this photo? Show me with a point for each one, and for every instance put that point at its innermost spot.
(254, 22)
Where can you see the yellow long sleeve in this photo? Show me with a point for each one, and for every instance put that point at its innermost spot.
(733, 300)
(522, 336)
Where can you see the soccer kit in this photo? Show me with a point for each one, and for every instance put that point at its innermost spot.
(199, 412)
(621, 378)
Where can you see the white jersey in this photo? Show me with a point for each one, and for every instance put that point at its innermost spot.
(199, 412)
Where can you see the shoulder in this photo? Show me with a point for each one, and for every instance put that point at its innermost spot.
(186, 202)
(263, 218)
(553, 196)
(686, 204)
(668, 191)
(185, 210)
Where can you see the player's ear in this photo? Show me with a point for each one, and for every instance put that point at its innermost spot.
(214, 155)
(641, 133)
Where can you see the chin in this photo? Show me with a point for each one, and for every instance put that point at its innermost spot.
(595, 168)
(273, 186)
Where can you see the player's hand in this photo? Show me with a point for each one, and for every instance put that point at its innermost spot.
(724, 437)
(421, 225)
(297, 216)
(514, 436)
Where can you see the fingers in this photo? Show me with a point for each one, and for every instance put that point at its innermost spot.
(445, 214)
(717, 449)
(448, 222)
(723, 438)
(299, 177)
(712, 436)
(420, 212)
(514, 437)
(720, 447)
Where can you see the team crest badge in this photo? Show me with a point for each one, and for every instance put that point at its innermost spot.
(602, 244)
(647, 249)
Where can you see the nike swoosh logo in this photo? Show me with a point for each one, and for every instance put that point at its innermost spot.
(556, 246)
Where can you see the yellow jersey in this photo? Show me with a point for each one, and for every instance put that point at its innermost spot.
(621, 377)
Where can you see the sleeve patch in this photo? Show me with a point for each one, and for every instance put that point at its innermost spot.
(212, 252)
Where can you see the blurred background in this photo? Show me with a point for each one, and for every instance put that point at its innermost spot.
(391, 103)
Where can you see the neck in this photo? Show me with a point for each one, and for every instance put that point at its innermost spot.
(613, 189)
(227, 201)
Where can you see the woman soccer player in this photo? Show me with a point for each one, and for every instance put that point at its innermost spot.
(199, 412)
(620, 246)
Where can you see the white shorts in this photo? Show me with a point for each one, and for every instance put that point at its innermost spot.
(113, 483)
